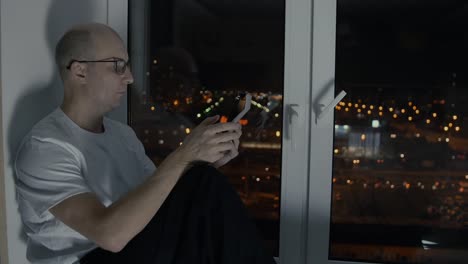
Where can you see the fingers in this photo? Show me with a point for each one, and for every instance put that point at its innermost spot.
(225, 137)
(223, 127)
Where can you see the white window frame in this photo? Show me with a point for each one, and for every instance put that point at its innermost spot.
(295, 185)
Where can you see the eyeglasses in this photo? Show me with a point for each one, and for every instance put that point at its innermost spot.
(120, 65)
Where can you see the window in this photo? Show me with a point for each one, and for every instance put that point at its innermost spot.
(395, 190)
(197, 56)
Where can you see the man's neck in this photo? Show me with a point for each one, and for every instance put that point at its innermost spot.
(84, 117)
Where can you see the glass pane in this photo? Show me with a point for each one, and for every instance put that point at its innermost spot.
(400, 169)
(200, 56)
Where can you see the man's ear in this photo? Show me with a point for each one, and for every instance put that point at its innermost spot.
(79, 71)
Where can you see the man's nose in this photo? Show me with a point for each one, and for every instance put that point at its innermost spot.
(128, 76)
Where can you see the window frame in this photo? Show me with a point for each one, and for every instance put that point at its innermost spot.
(296, 98)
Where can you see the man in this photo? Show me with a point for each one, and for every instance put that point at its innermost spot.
(88, 193)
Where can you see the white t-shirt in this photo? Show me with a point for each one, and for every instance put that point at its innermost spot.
(57, 160)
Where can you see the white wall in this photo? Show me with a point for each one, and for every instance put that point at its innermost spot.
(30, 84)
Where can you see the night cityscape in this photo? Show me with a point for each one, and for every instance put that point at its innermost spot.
(400, 169)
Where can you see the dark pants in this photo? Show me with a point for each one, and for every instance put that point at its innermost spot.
(202, 220)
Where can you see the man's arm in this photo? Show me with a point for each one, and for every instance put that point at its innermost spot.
(113, 227)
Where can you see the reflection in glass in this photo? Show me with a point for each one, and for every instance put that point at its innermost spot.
(201, 55)
(400, 168)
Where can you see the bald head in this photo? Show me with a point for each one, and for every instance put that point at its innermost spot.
(80, 43)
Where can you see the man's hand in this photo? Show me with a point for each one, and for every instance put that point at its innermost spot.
(213, 143)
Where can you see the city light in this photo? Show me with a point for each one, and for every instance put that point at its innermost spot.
(336, 151)
(278, 134)
(187, 130)
(410, 118)
(446, 128)
(434, 115)
(428, 121)
(457, 128)
(153, 108)
(403, 111)
(198, 115)
(363, 137)
(455, 117)
(393, 135)
(375, 123)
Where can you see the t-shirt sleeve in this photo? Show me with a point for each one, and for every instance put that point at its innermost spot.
(47, 173)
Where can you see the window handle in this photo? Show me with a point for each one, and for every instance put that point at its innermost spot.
(290, 113)
(331, 105)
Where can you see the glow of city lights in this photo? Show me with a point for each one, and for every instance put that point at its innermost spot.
(267, 169)
(350, 104)
(428, 121)
(407, 185)
(434, 114)
(161, 142)
(363, 137)
(380, 108)
(187, 130)
(257, 179)
(395, 115)
(417, 111)
(153, 108)
(403, 111)
(457, 128)
(278, 134)
(446, 128)
(198, 115)
(336, 151)
(356, 105)
(363, 106)
(466, 177)
(418, 135)
(461, 189)
(369, 112)
(155, 61)
(439, 139)
(176, 102)
(346, 127)
(359, 110)
(276, 115)
(380, 114)
(410, 103)
(455, 117)
(375, 123)
(371, 107)
(447, 140)
(402, 155)
(346, 109)
(348, 181)
(450, 125)
(393, 136)
(221, 99)
(410, 118)
(414, 108)
(392, 186)
(390, 109)
(180, 143)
